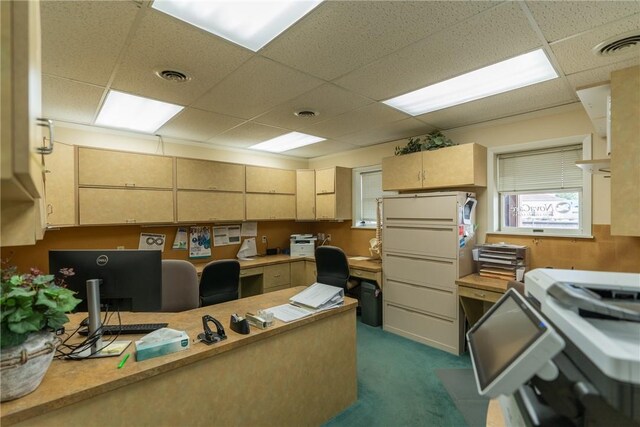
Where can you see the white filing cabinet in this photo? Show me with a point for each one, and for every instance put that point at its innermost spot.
(426, 247)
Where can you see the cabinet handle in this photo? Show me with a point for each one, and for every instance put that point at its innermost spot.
(49, 209)
(276, 275)
(479, 294)
(48, 123)
(213, 187)
(418, 175)
(423, 175)
(128, 221)
(129, 185)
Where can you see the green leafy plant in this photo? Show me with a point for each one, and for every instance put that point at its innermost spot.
(32, 302)
(432, 141)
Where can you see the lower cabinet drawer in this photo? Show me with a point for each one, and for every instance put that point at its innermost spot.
(431, 300)
(276, 276)
(255, 271)
(434, 331)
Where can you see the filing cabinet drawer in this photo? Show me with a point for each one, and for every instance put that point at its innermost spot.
(431, 300)
(276, 276)
(439, 273)
(421, 327)
(436, 209)
(434, 241)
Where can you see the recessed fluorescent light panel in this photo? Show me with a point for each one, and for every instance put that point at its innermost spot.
(287, 142)
(251, 24)
(524, 70)
(122, 110)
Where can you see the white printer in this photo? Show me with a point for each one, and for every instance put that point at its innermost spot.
(303, 245)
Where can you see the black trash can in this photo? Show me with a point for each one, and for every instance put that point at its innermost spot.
(371, 303)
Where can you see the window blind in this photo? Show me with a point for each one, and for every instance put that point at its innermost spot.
(371, 189)
(548, 169)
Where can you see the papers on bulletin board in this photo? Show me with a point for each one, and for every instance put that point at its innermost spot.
(180, 242)
(249, 229)
(152, 241)
(199, 242)
(227, 235)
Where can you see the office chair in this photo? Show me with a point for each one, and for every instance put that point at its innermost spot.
(332, 266)
(179, 286)
(219, 282)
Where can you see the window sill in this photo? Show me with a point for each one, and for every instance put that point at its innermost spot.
(538, 235)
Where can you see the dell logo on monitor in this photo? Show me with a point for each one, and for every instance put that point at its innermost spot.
(102, 260)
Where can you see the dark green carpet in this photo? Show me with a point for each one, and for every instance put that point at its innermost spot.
(398, 385)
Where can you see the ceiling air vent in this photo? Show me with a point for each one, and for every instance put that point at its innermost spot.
(306, 114)
(622, 43)
(173, 76)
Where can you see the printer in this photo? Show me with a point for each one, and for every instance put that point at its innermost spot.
(598, 382)
(303, 245)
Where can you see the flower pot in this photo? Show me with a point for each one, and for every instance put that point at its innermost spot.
(23, 366)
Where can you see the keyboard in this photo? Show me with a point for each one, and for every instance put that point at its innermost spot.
(131, 328)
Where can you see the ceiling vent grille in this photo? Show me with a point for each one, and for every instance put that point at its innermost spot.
(619, 44)
(306, 114)
(173, 76)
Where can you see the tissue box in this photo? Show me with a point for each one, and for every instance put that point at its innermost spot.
(149, 347)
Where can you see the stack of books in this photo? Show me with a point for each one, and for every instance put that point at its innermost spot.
(501, 261)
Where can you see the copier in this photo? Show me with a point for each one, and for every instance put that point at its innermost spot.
(303, 245)
(598, 316)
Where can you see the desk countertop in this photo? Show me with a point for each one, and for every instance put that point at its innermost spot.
(68, 382)
(485, 283)
(363, 264)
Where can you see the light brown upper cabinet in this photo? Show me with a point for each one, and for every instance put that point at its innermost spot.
(270, 206)
(60, 186)
(209, 206)
(209, 175)
(305, 194)
(458, 166)
(270, 180)
(22, 192)
(124, 206)
(333, 193)
(109, 168)
(625, 152)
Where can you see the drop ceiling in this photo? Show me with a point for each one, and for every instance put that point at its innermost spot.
(341, 60)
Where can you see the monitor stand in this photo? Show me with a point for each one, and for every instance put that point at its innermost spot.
(98, 348)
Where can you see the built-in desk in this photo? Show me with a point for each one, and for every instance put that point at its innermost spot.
(478, 293)
(275, 272)
(293, 374)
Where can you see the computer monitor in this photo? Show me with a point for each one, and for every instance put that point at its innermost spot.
(510, 344)
(131, 279)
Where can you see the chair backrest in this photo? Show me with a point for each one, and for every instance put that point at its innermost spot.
(219, 282)
(332, 266)
(179, 286)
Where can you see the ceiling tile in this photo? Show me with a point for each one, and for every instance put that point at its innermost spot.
(321, 148)
(198, 125)
(247, 134)
(163, 42)
(574, 54)
(340, 36)
(536, 97)
(370, 116)
(258, 85)
(560, 19)
(390, 132)
(83, 39)
(69, 101)
(327, 100)
(461, 48)
(601, 74)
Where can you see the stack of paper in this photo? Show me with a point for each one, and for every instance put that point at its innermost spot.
(319, 297)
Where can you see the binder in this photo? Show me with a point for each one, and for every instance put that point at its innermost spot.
(319, 297)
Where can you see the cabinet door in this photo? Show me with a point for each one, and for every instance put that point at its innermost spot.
(326, 206)
(305, 194)
(270, 206)
(207, 175)
(277, 275)
(120, 169)
(298, 273)
(270, 180)
(325, 181)
(60, 186)
(458, 166)
(402, 172)
(210, 206)
(124, 206)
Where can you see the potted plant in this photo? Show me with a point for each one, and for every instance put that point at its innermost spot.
(32, 306)
(432, 141)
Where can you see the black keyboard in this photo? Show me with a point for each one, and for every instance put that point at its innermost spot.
(131, 328)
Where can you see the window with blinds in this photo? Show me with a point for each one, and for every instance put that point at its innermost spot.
(367, 189)
(541, 190)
